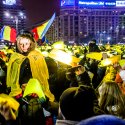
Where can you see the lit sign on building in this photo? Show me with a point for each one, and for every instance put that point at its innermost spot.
(9, 2)
(91, 3)
(67, 2)
(102, 3)
(110, 3)
(120, 3)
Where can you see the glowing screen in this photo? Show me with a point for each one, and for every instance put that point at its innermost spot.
(67, 2)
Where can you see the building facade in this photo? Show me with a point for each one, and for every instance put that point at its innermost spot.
(81, 20)
(12, 14)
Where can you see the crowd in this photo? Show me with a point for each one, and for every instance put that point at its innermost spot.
(88, 93)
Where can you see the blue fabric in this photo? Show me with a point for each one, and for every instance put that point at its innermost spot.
(102, 120)
(1, 32)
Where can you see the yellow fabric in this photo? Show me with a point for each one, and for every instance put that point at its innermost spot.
(38, 68)
(34, 86)
(41, 28)
(110, 74)
(11, 101)
(6, 33)
(94, 55)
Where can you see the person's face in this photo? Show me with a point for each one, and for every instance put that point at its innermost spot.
(24, 44)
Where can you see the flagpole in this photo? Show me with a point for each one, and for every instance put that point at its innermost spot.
(16, 21)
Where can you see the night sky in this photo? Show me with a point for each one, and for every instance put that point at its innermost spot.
(38, 11)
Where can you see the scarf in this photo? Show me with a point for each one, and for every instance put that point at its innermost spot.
(38, 68)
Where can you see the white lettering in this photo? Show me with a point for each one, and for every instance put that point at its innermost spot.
(110, 3)
(9, 2)
(91, 3)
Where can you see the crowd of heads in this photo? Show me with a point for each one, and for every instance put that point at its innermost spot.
(84, 92)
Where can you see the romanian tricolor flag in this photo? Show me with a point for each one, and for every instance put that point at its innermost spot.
(8, 33)
(40, 31)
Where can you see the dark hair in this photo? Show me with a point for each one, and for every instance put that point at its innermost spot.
(94, 40)
(25, 33)
(77, 103)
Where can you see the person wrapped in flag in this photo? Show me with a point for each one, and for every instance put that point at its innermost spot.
(26, 64)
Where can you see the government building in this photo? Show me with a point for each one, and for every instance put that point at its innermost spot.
(82, 20)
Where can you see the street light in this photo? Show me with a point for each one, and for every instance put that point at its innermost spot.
(117, 33)
(17, 21)
(16, 18)
(108, 39)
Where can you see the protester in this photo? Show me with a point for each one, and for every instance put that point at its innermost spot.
(76, 104)
(120, 76)
(27, 63)
(24, 64)
(57, 78)
(78, 100)
(111, 99)
(93, 47)
(78, 76)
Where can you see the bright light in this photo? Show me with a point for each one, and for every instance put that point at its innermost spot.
(104, 31)
(11, 17)
(63, 57)
(111, 28)
(123, 27)
(111, 60)
(58, 45)
(100, 44)
(7, 14)
(9, 2)
(120, 3)
(21, 13)
(45, 53)
(108, 38)
(107, 62)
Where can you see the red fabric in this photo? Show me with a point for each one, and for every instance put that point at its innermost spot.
(2, 54)
(49, 120)
(19, 96)
(118, 78)
(13, 35)
(35, 33)
(34, 95)
(120, 83)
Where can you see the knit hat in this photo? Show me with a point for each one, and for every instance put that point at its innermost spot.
(102, 120)
(76, 103)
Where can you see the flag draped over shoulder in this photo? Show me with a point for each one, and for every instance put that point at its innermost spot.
(40, 31)
(8, 33)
